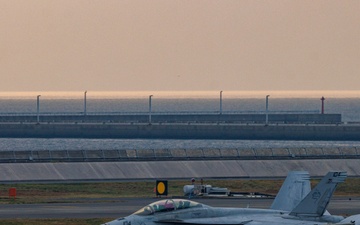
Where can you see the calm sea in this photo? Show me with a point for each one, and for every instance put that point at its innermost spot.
(346, 105)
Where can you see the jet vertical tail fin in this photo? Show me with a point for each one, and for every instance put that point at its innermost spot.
(315, 203)
(295, 187)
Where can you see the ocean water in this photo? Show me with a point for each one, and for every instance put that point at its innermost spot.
(347, 105)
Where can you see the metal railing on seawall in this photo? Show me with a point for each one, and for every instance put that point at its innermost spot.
(177, 154)
(290, 117)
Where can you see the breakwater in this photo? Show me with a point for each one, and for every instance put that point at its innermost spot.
(287, 118)
(136, 155)
(185, 170)
(182, 131)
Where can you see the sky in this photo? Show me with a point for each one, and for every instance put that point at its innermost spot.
(179, 45)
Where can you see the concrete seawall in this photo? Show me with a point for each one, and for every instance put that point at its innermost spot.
(181, 131)
(215, 169)
(178, 154)
(193, 117)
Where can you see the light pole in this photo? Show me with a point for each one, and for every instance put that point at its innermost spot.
(221, 102)
(85, 103)
(38, 108)
(150, 108)
(267, 110)
(322, 105)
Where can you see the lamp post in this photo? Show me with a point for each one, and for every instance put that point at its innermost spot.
(38, 108)
(85, 103)
(322, 105)
(150, 108)
(221, 102)
(267, 110)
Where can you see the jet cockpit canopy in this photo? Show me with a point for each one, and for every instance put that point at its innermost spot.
(166, 205)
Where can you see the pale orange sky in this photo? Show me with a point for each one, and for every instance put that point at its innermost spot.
(179, 45)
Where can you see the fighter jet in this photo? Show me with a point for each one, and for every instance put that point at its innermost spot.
(286, 209)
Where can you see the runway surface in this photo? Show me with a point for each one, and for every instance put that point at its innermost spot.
(124, 206)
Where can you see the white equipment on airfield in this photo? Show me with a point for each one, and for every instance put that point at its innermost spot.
(205, 190)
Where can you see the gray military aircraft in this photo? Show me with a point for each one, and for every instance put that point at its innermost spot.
(295, 204)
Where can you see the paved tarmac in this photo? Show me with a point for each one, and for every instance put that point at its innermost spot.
(124, 206)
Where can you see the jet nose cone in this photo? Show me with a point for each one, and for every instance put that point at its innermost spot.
(114, 222)
(108, 223)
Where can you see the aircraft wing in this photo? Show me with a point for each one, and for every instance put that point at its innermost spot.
(209, 221)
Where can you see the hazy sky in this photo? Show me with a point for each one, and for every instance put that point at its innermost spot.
(179, 45)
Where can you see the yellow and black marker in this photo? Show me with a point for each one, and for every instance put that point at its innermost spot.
(161, 187)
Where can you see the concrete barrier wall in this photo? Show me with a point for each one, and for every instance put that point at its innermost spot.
(178, 154)
(200, 118)
(121, 171)
(181, 131)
